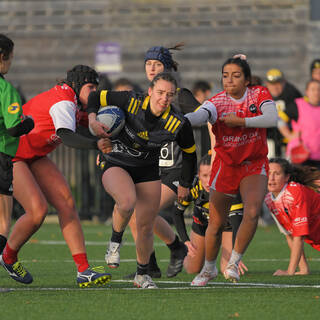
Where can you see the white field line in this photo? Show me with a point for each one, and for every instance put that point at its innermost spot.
(88, 243)
(210, 286)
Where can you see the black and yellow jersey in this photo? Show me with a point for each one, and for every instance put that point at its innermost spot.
(143, 135)
(170, 154)
(200, 198)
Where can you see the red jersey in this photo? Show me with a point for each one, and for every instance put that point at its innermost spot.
(297, 209)
(51, 110)
(239, 144)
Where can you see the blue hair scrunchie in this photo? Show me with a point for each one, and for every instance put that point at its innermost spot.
(162, 54)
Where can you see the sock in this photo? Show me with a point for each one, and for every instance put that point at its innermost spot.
(235, 258)
(209, 265)
(116, 236)
(81, 261)
(142, 268)
(3, 242)
(9, 255)
(153, 261)
(175, 244)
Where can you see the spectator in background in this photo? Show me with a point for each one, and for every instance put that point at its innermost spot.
(123, 84)
(315, 69)
(202, 90)
(283, 94)
(256, 80)
(306, 124)
(104, 82)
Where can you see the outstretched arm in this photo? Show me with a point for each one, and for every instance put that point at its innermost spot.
(296, 248)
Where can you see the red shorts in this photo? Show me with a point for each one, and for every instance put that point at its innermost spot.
(226, 179)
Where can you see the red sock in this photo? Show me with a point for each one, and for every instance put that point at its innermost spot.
(9, 255)
(81, 261)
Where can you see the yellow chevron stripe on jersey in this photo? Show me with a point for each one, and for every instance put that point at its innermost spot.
(168, 122)
(138, 106)
(236, 207)
(145, 103)
(176, 126)
(206, 205)
(165, 114)
(134, 106)
(189, 150)
(130, 105)
(172, 124)
(103, 98)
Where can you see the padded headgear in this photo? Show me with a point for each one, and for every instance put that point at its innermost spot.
(162, 54)
(80, 75)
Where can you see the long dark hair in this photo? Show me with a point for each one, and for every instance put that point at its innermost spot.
(305, 175)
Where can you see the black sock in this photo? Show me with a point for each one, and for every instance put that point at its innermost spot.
(153, 260)
(3, 242)
(142, 268)
(175, 244)
(116, 236)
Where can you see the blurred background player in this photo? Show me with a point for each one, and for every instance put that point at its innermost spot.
(38, 181)
(202, 90)
(306, 124)
(315, 69)
(295, 206)
(13, 124)
(283, 93)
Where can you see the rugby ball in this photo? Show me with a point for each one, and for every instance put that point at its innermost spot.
(113, 117)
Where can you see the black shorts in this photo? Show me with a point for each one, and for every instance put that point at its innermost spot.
(6, 174)
(233, 222)
(138, 174)
(171, 179)
(199, 229)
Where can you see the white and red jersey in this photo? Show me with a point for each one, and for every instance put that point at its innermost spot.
(239, 144)
(51, 110)
(297, 209)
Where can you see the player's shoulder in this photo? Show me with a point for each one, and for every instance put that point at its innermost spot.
(294, 185)
(259, 91)
(6, 86)
(218, 97)
(64, 92)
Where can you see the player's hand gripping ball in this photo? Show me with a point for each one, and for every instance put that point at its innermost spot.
(113, 117)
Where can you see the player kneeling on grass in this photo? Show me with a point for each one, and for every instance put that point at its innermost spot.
(199, 194)
(296, 210)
